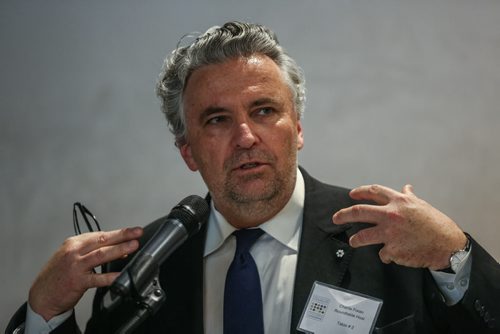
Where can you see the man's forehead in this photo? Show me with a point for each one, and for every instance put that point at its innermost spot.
(240, 63)
(235, 76)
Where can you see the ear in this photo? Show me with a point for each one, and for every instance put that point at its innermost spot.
(187, 155)
(300, 136)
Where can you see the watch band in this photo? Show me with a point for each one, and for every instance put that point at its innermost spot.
(458, 256)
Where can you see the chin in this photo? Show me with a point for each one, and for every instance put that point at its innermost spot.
(253, 196)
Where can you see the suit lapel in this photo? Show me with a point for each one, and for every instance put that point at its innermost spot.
(324, 252)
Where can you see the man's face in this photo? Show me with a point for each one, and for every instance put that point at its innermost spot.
(243, 135)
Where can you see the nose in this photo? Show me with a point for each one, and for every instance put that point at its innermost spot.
(244, 136)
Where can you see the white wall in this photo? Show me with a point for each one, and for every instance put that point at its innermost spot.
(398, 92)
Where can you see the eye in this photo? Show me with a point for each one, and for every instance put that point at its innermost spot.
(264, 111)
(217, 119)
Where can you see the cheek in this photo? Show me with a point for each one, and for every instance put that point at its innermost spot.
(288, 137)
(209, 158)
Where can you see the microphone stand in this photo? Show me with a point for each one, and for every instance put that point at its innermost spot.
(146, 301)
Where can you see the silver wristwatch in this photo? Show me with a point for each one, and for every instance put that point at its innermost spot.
(458, 256)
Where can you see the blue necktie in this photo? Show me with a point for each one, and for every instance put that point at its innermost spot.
(242, 294)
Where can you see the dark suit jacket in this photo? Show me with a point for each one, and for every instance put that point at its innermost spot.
(412, 302)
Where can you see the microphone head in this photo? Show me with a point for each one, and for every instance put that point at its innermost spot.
(192, 212)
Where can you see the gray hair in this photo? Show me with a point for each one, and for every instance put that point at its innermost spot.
(216, 45)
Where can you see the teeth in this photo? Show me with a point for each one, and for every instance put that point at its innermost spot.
(250, 165)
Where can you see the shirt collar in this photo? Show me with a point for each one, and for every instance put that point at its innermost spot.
(284, 227)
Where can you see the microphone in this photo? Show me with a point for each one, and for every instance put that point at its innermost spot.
(185, 220)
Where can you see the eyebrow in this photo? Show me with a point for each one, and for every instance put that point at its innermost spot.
(264, 100)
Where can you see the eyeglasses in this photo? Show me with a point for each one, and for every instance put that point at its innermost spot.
(81, 213)
(80, 210)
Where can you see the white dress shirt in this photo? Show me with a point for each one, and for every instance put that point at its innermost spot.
(275, 254)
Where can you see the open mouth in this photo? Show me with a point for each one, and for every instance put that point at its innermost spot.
(249, 165)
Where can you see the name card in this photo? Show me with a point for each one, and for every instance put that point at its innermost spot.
(331, 309)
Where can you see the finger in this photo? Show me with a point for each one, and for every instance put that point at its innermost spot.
(365, 237)
(408, 189)
(377, 193)
(109, 253)
(384, 256)
(100, 280)
(94, 240)
(363, 213)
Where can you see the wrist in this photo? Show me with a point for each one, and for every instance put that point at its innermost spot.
(41, 307)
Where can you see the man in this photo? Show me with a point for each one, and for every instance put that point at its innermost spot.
(234, 100)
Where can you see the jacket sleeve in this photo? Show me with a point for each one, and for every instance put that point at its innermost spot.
(481, 300)
(479, 309)
(16, 323)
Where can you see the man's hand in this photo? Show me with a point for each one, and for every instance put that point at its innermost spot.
(414, 233)
(68, 274)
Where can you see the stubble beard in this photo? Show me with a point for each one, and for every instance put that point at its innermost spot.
(269, 199)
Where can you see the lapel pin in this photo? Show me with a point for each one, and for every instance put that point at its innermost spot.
(340, 253)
